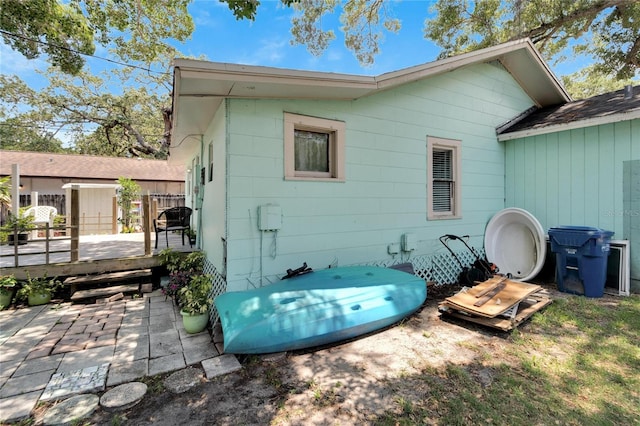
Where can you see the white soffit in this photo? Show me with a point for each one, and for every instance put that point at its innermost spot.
(200, 86)
(200, 78)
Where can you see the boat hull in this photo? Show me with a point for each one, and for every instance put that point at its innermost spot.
(317, 308)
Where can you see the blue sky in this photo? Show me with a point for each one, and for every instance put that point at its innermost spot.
(266, 41)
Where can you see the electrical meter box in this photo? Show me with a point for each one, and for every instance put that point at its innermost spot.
(408, 242)
(269, 217)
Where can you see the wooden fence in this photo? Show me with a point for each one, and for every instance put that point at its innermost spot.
(162, 201)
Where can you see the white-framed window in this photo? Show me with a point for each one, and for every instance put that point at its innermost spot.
(313, 148)
(443, 178)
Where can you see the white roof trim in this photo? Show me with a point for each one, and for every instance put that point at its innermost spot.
(234, 74)
(91, 185)
(596, 121)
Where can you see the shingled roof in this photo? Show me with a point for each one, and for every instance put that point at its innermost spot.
(610, 107)
(41, 164)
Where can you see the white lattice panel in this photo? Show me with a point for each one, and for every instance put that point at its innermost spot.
(219, 287)
(441, 268)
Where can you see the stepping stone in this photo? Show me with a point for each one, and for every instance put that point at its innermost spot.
(220, 365)
(89, 379)
(124, 396)
(71, 410)
(183, 380)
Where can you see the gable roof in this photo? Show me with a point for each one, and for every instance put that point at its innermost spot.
(602, 109)
(42, 164)
(199, 87)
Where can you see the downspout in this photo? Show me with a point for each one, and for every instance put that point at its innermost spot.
(227, 172)
(200, 194)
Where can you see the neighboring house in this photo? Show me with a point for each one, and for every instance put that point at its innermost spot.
(50, 175)
(46, 173)
(288, 166)
(579, 164)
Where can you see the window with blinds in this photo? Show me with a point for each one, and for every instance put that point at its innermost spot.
(443, 178)
(443, 183)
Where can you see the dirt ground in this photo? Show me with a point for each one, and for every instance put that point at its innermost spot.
(355, 382)
(350, 383)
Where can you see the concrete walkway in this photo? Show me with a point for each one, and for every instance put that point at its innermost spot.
(55, 351)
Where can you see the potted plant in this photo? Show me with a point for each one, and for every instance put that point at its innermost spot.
(17, 228)
(181, 268)
(195, 302)
(191, 234)
(7, 285)
(38, 291)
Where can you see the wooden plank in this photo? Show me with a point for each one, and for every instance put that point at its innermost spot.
(492, 287)
(106, 291)
(109, 277)
(513, 292)
(490, 294)
(528, 307)
(68, 269)
(75, 223)
(146, 220)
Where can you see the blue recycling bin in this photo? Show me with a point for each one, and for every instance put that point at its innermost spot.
(581, 258)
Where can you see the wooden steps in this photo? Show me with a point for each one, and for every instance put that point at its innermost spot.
(103, 285)
(104, 291)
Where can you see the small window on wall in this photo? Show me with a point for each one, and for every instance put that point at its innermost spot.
(314, 148)
(210, 161)
(443, 177)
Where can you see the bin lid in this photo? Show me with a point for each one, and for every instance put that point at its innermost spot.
(515, 241)
(567, 235)
(581, 229)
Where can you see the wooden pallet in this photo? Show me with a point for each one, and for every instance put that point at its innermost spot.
(523, 311)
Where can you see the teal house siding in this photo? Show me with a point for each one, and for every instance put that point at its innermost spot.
(384, 194)
(577, 177)
(211, 217)
(377, 195)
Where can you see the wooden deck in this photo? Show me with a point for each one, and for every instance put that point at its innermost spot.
(97, 254)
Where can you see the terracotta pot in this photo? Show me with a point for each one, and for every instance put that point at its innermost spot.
(194, 323)
(39, 299)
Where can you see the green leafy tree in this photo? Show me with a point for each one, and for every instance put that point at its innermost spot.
(5, 191)
(606, 30)
(18, 134)
(27, 26)
(586, 83)
(135, 122)
(66, 30)
(129, 192)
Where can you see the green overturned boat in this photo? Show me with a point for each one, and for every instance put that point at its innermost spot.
(317, 308)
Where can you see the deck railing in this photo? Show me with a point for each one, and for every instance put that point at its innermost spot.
(71, 233)
(49, 237)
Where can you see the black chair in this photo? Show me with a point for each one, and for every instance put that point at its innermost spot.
(173, 219)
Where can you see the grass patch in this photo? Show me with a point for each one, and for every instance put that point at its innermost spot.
(155, 384)
(575, 363)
